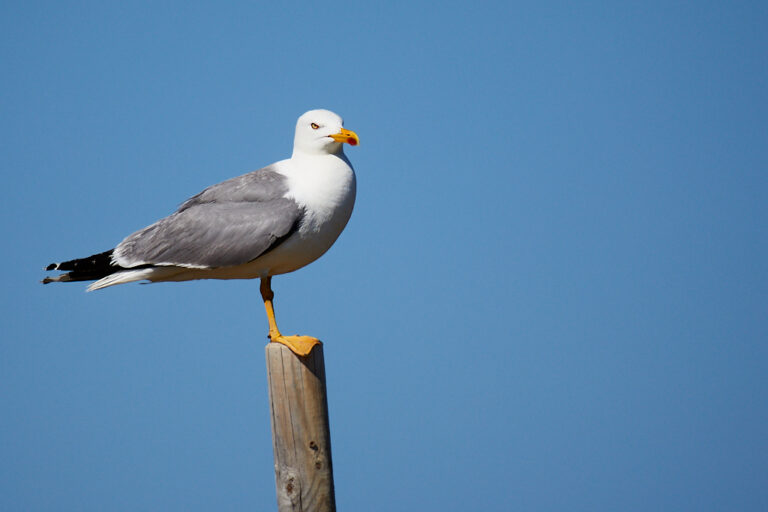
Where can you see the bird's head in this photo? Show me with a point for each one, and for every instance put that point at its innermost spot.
(322, 132)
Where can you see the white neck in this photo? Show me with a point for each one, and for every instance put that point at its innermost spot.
(331, 148)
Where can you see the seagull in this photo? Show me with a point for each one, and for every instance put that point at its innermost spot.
(268, 222)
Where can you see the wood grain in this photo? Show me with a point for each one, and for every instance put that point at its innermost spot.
(300, 433)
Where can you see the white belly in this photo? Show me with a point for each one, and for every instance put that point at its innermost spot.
(315, 236)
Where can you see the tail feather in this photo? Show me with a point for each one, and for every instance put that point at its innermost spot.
(131, 275)
(101, 268)
(91, 268)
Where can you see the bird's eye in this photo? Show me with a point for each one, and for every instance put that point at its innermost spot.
(315, 126)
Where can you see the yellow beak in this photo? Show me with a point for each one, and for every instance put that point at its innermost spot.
(347, 136)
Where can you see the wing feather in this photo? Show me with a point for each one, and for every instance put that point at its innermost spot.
(263, 185)
(227, 224)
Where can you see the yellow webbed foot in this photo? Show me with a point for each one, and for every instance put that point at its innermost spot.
(299, 345)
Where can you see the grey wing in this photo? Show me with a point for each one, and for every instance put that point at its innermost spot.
(263, 185)
(212, 234)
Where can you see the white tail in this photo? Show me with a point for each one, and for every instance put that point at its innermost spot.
(129, 276)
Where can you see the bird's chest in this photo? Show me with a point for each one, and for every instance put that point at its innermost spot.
(327, 198)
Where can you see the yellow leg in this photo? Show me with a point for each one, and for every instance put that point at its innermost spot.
(299, 345)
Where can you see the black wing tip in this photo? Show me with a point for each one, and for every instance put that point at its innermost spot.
(83, 269)
(57, 279)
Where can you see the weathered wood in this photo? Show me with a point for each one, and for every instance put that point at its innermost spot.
(300, 434)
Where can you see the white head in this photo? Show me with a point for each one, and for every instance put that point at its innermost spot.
(322, 132)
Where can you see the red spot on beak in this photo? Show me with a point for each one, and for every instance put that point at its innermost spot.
(351, 141)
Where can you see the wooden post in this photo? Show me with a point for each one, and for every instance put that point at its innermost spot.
(300, 434)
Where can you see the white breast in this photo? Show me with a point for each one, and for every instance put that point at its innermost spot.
(325, 187)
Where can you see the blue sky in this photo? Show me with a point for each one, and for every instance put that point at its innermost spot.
(551, 296)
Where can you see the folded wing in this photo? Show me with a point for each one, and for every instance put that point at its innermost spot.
(227, 224)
